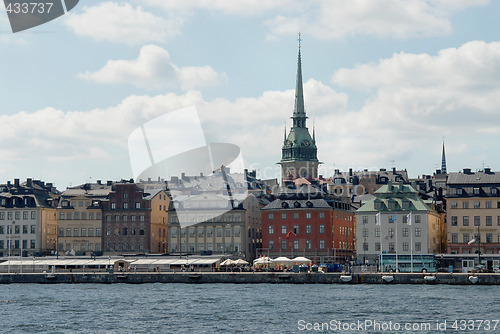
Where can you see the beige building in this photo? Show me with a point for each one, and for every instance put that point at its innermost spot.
(473, 212)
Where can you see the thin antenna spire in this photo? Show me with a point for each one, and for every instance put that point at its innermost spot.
(300, 40)
(443, 161)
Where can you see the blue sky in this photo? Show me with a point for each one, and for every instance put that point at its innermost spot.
(384, 81)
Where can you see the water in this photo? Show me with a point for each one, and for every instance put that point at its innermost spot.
(232, 308)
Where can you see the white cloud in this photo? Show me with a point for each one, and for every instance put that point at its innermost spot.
(337, 19)
(241, 7)
(153, 70)
(122, 23)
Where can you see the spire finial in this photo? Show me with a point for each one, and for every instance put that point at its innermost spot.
(300, 40)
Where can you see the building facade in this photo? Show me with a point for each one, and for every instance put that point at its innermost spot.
(395, 234)
(128, 220)
(308, 224)
(28, 220)
(473, 212)
(215, 224)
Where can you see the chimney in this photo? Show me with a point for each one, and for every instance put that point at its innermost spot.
(467, 171)
(394, 170)
(487, 171)
(149, 180)
(350, 171)
(99, 182)
(246, 171)
(16, 183)
(29, 183)
(8, 184)
(109, 183)
(389, 185)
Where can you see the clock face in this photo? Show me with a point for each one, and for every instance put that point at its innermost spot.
(288, 143)
(306, 142)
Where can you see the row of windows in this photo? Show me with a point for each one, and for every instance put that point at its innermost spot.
(17, 215)
(126, 205)
(16, 244)
(124, 218)
(83, 216)
(466, 237)
(295, 230)
(477, 205)
(17, 229)
(124, 246)
(295, 215)
(124, 231)
(296, 244)
(192, 218)
(201, 247)
(79, 247)
(477, 221)
(77, 232)
(477, 191)
(406, 247)
(405, 232)
(417, 219)
(200, 231)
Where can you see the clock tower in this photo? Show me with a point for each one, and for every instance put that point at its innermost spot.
(299, 151)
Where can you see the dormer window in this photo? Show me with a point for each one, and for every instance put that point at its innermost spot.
(476, 191)
(459, 191)
(494, 191)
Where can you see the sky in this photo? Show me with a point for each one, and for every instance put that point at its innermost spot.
(384, 82)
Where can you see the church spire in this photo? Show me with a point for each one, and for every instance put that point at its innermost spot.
(443, 161)
(299, 113)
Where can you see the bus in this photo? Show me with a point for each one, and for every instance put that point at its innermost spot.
(421, 263)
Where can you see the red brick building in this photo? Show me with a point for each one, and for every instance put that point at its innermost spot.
(310, 225)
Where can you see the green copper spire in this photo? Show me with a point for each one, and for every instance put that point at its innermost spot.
(299, 113)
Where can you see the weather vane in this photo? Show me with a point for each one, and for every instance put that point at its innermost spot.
(300, 40)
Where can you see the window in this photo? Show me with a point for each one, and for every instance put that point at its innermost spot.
(9, 215)
(283, 244)
(489, 221)
(2, 215)
(124, 231)
(459, 191)
(489, 237)
(476, 191)
(209, 232)
(295, 215)
(465, 205)
(2, 231)
(405, 231)
(477, 204)
(138, 205)
(61, 215)
(141, 218)
(91, 231)
(191, 232)
(98, 232)
(488, 204)
(84, 232)
(141, 232)
(391, 232)
(466, 238)
(477, 220)
(308, 215)
(295, 229)
(308, 229)
(364, 219)
(283, 229)
(228, 232)
(33, 216)
(32, 229)
(494, 191)
(321, 229)
(113, 205)
(405, 246)
(125, 205)
(237, 232)
(418, 219)
(377, 246)
(76, 232)
(219, 232)
(391, 247)
(466, 220)
(377, 232)
(270, 216)
(498, 220)
(418, 232)
(25, 229)
(296, 244)
(32, 244)
(283, 216)
(133, 218)
(25, 215)
(308, 244)
(17, 229)
(271, 244)
(84, 215)
(365, 232)
(418, 246)
(454, 205)
(454, 220)
(270, 229)
(68, 232)
(321, 215)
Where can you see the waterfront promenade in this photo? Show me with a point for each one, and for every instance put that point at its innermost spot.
(251, 278)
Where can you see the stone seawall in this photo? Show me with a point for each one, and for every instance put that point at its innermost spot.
(250, 278)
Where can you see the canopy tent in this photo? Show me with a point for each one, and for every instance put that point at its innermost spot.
(262, 262)
(281, 261)
(300, 260)
(240, 262)
(227, 262)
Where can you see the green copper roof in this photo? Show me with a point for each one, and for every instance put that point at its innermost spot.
(395, 197)
(299, 145)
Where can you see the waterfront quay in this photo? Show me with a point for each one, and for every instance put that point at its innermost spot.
(250, 278)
